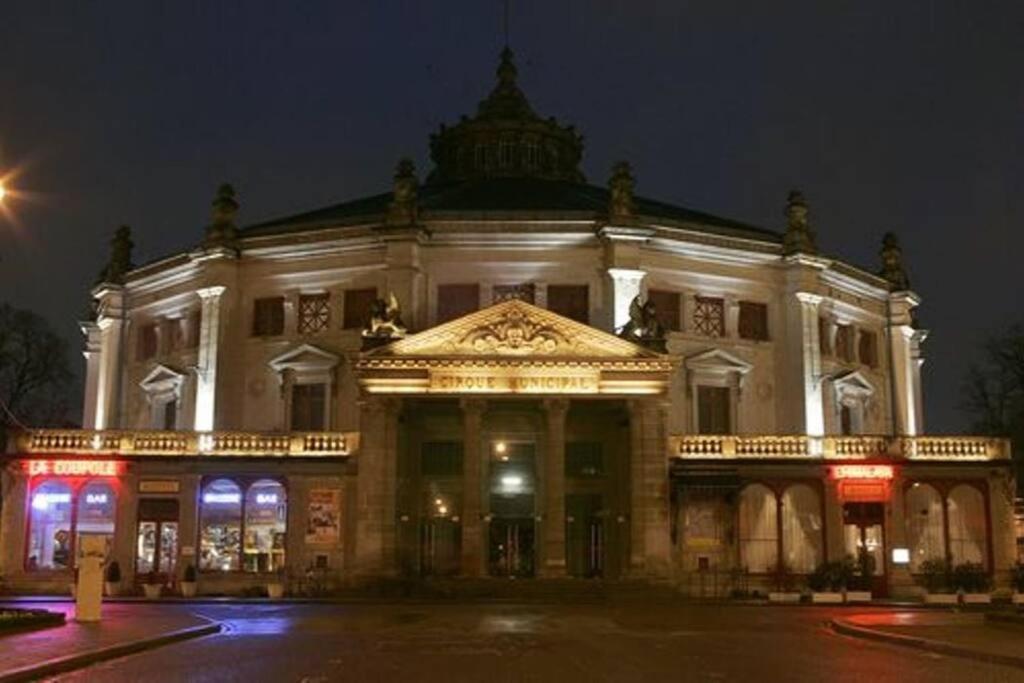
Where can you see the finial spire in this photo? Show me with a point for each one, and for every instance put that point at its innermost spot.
(893, 269)
(222, 231)
(620, 192)
(120, 261)
(799, 235)
(402, 210)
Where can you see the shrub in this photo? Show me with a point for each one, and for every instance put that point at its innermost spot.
(831, 576)
(971, 577)
(935, 575)
(190, 574)
(113, 573)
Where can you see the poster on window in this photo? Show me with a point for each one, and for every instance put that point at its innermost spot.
(323, 524)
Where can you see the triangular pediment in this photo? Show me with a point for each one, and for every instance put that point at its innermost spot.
(717, 360)
(304, 357)
(853, 382)
(160, 378)
(514, 329)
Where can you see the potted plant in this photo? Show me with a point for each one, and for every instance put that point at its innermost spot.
(188, 582)
(151, 586)
(1017, 577)
(861, 575)
(112, 579)
(972, 582)
(784, 583)
(827, 583)
(936, 579)
(275, 587)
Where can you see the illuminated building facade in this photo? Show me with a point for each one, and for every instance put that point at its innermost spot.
(505, 371)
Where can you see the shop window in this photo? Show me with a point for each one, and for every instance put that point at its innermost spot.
(441, 459)
(523, 292)
(571, 301)
(753, 323)
(265, 526)
(709, 316)
(309, 402)
(967, 536)
(50, 532)
(844, 342)
(714, 410)
(802, 540)
(268, 316)
(584, 460)
(924, 525)
(454, 301)
(220, 526)
(314, 313)
(758, 529)
(666, 308)
(149, 341)
(358, 308)
(867, 348)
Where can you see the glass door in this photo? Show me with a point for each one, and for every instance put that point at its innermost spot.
(584, 535)
(864, 538)
(511, 551)
(156, 546)
(440, 539)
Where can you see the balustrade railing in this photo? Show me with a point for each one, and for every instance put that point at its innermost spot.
(178, 443)
(785, 447)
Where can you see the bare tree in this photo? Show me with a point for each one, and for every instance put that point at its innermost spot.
(36, 383)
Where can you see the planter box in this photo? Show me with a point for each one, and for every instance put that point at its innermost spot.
(941, 599)
(152, 590)
(784, 597)
(188, 589)
(827, 598)
(1018, 598)
(275, 591)
(858, 596)
(977, 598)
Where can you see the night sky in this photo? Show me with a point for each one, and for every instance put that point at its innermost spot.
(902, 116)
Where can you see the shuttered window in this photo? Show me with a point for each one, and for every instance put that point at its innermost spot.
(753, 321)
(714, 412)
(867, 349)
(268, 316)
(454, 301)
(572, 301)
(308, 405)
(666, 307)
(358, 306)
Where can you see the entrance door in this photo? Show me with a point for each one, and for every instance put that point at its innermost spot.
(156, 548)
(864, 537)
(511, 550)
(584, 535)
(439, 547)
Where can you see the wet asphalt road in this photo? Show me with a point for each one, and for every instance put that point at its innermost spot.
(497, 643)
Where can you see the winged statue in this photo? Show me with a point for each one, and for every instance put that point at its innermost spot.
(385, 319)
(643, 327)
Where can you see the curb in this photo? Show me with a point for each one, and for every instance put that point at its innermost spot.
(59, 665)
(846, 628)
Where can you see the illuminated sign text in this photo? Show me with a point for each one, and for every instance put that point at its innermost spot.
(74, 468)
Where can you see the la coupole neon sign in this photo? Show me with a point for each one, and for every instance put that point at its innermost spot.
(871, 472)
(74, 468)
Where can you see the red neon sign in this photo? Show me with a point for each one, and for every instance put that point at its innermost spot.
(74, 468)
(871, 472)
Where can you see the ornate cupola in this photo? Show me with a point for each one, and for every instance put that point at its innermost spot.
(506, 139)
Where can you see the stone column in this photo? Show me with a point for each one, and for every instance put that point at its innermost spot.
(903, 352)
(901, 582)
(375, 486)
(1001, 489)
(625, 286)
(111, 323)
(93, 354)
(472, 489)
(650, 541)
(554, 488)
(814, 417)
(206, 367)
(833, 520)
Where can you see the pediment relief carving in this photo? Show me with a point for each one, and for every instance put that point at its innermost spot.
(514, 328)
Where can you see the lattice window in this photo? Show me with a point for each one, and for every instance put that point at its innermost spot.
(709, 316)
(524, 292)
(314, 313)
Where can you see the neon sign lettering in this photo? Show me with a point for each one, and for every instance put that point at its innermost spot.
(74, 468)
(42, 501)
(231, 498)
(884, 472)
(266, 498)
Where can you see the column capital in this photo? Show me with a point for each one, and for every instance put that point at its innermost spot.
(212, 292)
(627, 274)
(809, 298)
(556, 407)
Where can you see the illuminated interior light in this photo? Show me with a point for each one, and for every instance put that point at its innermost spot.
(500, 447)
(443, 510)
(901, 555)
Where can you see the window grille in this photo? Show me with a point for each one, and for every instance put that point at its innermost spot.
(314, 313)
(709, 317)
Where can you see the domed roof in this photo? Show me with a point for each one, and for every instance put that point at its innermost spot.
(506, 139)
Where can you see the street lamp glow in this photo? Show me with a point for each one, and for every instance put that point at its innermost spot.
(3, 191)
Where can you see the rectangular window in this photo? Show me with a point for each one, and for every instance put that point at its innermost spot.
(454, 301)
(308, 407)
(358, 308)
(753, 321)
(709, 316)
(314, 313)
(572, 301)
(149, 341)
(714, 410)
(441, 459)
(844, 342)
(824, 342)
(666, 308)
(584, 460)
(268, 316)
(867, 349)
(524, 292)
(174, 328)
(169, 415)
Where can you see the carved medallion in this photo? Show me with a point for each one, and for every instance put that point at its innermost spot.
(514, 334)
